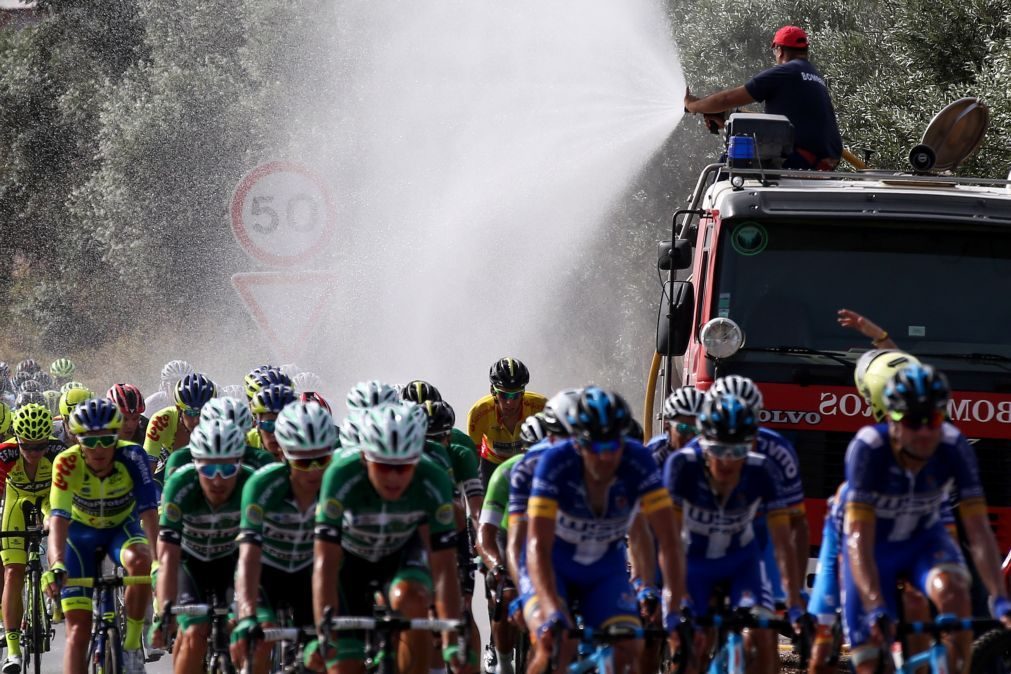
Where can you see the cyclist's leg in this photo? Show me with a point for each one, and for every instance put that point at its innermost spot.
(825, 600)
(13, 557)
(82, 541)
(610, 601)
(865, 652)
(750, 588)
(503, 631)
(410, 591)
(940, 573)
(535, 617)
(198, 582)
(129, 547)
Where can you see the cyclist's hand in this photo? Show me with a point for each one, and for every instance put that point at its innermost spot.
(1000, 608)
(796, 615)
(460, 663)
(157, 633)
(240, 639)
(53, 579)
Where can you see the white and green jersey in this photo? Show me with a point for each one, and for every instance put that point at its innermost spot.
(271, 519)
(188, 520)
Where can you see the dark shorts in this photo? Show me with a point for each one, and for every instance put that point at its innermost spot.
(202, 582)
(287, 591)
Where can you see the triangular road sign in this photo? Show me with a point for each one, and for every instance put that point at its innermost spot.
(286, 306)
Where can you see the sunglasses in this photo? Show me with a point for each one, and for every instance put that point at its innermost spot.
(933, 421)
(34, 446)
(508, 395)
(726, 450)
(190, 412)
(266, 425)
(310, 463)
(398, 468)
(94, 441)
(686, 429)
(600, 446)
(222, 470)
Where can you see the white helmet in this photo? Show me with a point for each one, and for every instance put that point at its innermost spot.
(172, 373)
(685, 401)
(304, 428)
(351, 430)
(217, 439)
(371, 394)
(393, 434)
(742, 387)
(232, 391)
(231, 409)
(306, 381)
(290, 369)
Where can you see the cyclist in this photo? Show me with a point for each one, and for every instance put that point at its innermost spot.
(718, 485)
(254, 382)
(420, 392)
(368, 394)
(132, 406)
(68, 402)
(28, 366)
(494, 421)
(6, 417)
(25, 472)
(584, 493)
(385, 518)
(306, 381)
(171, 374)
(62, 370)
(278, 515)
(266, 404)
(170, 428)
(872, 373)
(103, 497)
(679, 413)
(899, 474)
(201, 508)
(234, 411)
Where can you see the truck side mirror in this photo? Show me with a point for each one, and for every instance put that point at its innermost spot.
(674, 328)
(675, 254)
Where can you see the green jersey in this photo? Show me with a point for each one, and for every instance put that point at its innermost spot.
(496, 500)
(271, 519)
(253, 457)
(188, 520)
(460, 464)
(458, 437)
(352, 514)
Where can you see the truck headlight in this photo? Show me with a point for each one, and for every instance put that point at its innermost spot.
(722, 337)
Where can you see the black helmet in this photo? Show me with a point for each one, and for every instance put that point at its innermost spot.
(727, 419)
(561, 406)
(599, 415)
(917, 391)
(635, 430)
(30, 385)
(509, 374)
(420, 391)
(441, 418)
(533, 430)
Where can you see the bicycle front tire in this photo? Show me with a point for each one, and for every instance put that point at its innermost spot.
(991, 653)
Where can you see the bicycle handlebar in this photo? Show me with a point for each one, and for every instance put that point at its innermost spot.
(108, 580)
(943, 624)
(395, 623)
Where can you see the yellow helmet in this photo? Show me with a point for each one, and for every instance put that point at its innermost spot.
(33, 422)
(72, 398)
(873, 371)
(5, 420)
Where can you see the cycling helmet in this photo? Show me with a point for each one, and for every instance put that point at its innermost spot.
(304, 428)
(73, 398)
(19, 379)
(52, 401)
(194, 390)
(441, 418)
(392, 434)
(232, 391)
(174, 370)
(420, 391)
(290, 369)
(314, 397)
(230, 409)
(217, 439)
(63, 368)
(917, 391)
(28, 365)
(271, 399)
(5, 420)
(533, 430)
(32, 422)
(635, 430)
(30, 397)
(31, 386)
(256, 381)
(562, 405)
(685, 401)
(742, 387)
(95, 414)
(371, 394)
(306, 381)
(509, 374)
(351, 430)
(599, 415)
(127, 398)
(5, 370)
(726, 418)
(45, 380)
(873, 371)
(71, 385)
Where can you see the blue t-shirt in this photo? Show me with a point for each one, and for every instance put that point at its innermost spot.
(712, 530)
(904, 503)
(797, 90)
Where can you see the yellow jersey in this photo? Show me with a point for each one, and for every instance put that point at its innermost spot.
(494, 440)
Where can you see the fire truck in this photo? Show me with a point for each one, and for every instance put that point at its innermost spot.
(761, 260)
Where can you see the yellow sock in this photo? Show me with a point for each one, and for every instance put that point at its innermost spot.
(134, 628)
(14, 642)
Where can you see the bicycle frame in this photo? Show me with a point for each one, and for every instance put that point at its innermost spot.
(218, 653)
(937, 655)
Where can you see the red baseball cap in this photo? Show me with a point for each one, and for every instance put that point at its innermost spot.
(791, 36)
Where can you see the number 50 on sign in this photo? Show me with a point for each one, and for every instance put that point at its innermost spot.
(282, 213)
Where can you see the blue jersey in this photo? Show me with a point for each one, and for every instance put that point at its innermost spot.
(904, 503)
(659, 447)
(711, 529)
(582, 536)
(521, 478)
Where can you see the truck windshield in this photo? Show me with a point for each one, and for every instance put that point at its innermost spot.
(937, 289)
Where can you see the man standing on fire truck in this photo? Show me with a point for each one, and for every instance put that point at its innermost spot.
(794, 88)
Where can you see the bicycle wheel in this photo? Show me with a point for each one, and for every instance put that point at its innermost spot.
(222, 664)
(991, 653)
(36, 625)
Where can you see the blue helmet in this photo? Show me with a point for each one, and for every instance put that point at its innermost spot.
(271, 399)
(95, 414)
(599, 415)
(917, 390)
(194, 390)
(263, 377)
(727, 419)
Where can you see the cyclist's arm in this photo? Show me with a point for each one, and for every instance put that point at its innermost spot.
(58, 528)
(541, 512)
(445, 579)
(859, 525)
(801, 540)
(982, 545)
(247, 579)
(517, 540)
(149, 522)
(641, 550)
(328, 556)
(487, 544)
(781, 534)
(169, 555)
(663, 519)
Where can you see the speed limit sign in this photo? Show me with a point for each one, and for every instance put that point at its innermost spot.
(282, 213)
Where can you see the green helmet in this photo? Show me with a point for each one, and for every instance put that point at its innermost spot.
(217, 439)
(70, 385)
(5, 420)
(873, 370)
(73, 398)
(63, 368)
(33, 422)
(393, 433)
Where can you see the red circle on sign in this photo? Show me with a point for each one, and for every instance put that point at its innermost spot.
(243, 189)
